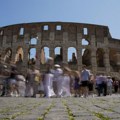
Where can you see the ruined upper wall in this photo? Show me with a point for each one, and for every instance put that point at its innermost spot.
(57, 28)
(33, 28)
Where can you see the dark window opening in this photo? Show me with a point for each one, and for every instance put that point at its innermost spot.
(21, 31)
(58, 27)
(45, 27)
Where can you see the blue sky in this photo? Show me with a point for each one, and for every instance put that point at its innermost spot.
(102, 12)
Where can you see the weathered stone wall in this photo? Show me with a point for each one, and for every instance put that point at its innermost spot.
(65, 35)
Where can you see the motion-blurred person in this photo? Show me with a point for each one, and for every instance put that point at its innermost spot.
(64, 83)
(41, 86)
(85, 77)
(32, 82)
(101, 82)
(116, 85)
(91, 85)
(76, 83)
(13, 82)
(57, 72)
(109, 85)
(21, 84)
(48, 78)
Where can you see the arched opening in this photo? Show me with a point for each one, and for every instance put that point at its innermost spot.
(85, 31)
(8, 55)
(32, 56)
(19, 55)
(58, 27)
(21, 31)
(44, 55)
(58, 55)
(72, 55)
(86, 57)
(85, 42)
(100, 57)
(45, 27)
(33, 41)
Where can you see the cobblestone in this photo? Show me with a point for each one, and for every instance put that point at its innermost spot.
(97, 108)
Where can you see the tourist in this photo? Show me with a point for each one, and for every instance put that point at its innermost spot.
(91, 85)
(48, 79)
(101, 83)
(32, 82)
(85, 77)
(76, 83)
(21, 84)
(64, 83)
(109, 85)
(57, 72)
(116, 85)
(41, 86)
(13, 82)
(104, 85)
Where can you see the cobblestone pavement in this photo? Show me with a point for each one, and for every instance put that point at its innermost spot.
(97, 108)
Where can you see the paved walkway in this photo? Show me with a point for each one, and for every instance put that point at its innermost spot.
(97, 108)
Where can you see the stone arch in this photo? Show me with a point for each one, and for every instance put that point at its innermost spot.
(72, 55)
(100, 57)
(85, 42)
(8, 55)
(86, 57)
(19, 54)
(58, 55)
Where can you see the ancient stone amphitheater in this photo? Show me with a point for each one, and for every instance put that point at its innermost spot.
(87, 44)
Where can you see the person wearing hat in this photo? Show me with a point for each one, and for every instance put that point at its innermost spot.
(57, 72)
(64, 83)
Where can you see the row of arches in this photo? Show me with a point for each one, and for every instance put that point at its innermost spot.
(58, 56)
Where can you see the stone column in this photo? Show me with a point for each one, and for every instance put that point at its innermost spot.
(79, 51)
(52, 39)
(4, 41)
(14, 48)
(13, 54)
(65, 47)
(106, 55)
(93, 61)
(3, 48)
(106, 60)
(26, 48)
(52, 36)
(93, 54)
(65, 55)
(118, 58)
(38, 50)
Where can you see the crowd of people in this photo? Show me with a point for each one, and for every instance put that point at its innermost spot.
(58, 81)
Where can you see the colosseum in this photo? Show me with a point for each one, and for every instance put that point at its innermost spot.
(72, 43)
